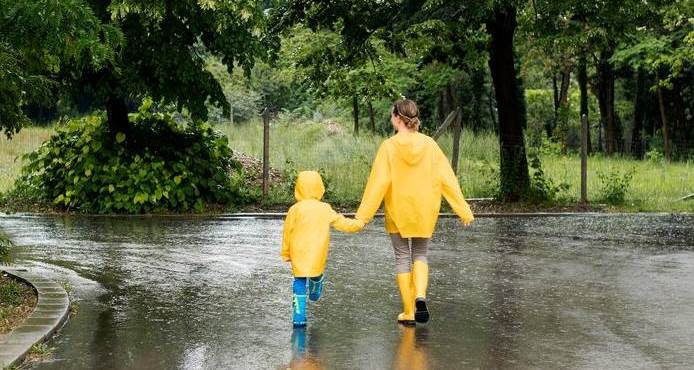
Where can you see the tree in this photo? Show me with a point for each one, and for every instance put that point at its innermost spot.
(664, 49)
(330, 69)
(509, 95)
(165, 49)
(40, 40)
(394, 22)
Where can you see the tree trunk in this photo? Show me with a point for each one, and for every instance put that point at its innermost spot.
(477, 82)
(663, 119)
(549, 126)
(457, 129)
(563, 117)
(355, 114)
(680, 133)
(372, 117)
(441, 107)
(606, 101)
(451, 103)
(514, 166)
(555, 92)
(117, 114)
(492, 115)
(583, 88)
(639, 115)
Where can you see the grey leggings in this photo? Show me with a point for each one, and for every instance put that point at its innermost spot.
(404, 255)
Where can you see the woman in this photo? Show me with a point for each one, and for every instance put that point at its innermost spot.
(410, 172)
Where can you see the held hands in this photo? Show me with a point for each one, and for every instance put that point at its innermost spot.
(359, 223)
(467, 220)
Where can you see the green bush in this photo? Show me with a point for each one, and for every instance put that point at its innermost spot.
(5, 246)
(163, 166)
(542, 188)
(614, 186)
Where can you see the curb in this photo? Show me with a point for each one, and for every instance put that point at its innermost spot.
(50, 314)
(279, 215)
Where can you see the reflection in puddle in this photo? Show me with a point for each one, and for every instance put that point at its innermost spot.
(305, 353)
(518, 293)
(194, 358)
(412, 353)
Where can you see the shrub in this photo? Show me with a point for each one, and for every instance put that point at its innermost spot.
(614, 186)
(542, 188)
(654, 155)
(5, 245)
(164, 166)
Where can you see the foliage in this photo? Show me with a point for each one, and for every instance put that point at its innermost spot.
(665, 48)
(11, 293)
(39, 39)
(654, 155)
(168, 166)
(540, 114)
(614, 186)
(167, 43)
(542, 188)
(5, 248)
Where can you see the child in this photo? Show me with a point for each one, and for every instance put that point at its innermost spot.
(307, 237)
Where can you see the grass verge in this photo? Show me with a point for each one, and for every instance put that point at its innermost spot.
(17, 301)
(345, 160)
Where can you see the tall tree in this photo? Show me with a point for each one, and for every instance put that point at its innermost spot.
(39, 40)
(398, 22)
(165, 49)
(501, 26)
(664, 48)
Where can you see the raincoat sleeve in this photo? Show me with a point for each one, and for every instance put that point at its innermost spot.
(345, 224)
(451, 189)
(376, 187)
(288, 225)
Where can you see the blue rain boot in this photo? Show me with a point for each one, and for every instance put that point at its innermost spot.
(299, 302)
(315, 287)
(299, 310)
(298, 343)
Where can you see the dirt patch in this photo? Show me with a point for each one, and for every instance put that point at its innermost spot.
(17, 301)
(253, 169)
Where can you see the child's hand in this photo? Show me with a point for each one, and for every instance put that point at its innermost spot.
(348, 225)
(467, 220)
(359, 223)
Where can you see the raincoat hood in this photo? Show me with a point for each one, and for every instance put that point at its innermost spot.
(309, 185)
(409, 176)
(411, 146)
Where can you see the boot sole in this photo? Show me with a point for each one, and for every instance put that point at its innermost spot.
(407, 322)
(421, 313)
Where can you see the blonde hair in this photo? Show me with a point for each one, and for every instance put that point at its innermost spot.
(407, 110)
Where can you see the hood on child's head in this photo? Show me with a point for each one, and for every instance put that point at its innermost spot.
(309, 185)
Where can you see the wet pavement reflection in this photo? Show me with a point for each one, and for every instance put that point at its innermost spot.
(212, 293)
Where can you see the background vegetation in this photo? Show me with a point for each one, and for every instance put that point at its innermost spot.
(521, 72)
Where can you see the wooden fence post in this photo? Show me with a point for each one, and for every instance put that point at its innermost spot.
(266, 151)
(457, 129)
(584, 158)
(449, 119)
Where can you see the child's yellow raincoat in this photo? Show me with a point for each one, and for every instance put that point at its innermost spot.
(307, 227)
(410, 172)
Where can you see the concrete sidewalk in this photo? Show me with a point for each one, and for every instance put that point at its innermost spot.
(51, 312)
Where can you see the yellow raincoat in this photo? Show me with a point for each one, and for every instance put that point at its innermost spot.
(410, 172)
(307, 227)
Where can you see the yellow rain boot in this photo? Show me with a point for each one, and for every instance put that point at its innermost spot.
(420, 278)
(405, 285)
